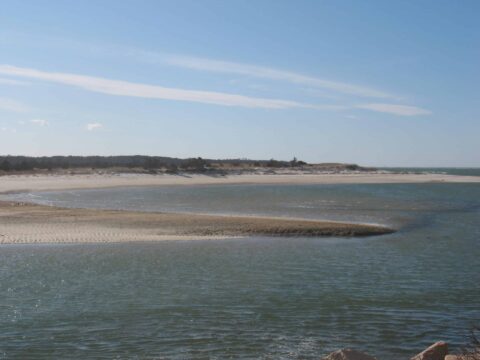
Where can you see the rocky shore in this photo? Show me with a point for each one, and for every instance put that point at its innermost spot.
(437, 351)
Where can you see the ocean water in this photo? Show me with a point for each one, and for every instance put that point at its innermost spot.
(256, 297)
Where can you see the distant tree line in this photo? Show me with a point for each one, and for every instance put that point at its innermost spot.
(26, 163)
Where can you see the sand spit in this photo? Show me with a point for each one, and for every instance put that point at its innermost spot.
(30, 223)
(19, 183)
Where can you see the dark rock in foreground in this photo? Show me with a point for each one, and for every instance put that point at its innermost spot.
(437, 351)
(348, 354)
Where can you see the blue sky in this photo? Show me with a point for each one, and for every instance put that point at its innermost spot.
(372, 82)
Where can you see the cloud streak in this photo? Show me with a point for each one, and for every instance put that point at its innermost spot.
(93, 126)
(12, 105)
(39, 122)
(6, 129)
(273, 74)
(124, 88)
(13, 82)
(313, 85)
(212, 65)
(140, 90)
(401, 110)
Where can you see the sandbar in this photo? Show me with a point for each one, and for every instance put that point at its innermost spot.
(31, 223)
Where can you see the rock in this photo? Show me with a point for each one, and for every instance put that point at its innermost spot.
(437, 351)
(348, 354)
(456, 357)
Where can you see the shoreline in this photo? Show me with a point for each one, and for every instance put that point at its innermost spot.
(31, 223)
(54, 182)
(34, 223)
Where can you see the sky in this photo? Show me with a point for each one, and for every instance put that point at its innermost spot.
(378, 83)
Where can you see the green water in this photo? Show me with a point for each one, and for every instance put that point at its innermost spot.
(271, 298)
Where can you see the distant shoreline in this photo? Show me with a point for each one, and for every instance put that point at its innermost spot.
(36, 182)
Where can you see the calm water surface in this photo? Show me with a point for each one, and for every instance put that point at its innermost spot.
(448, 170)
(255, 297)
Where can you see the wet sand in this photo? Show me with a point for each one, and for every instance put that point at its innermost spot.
(20, 183)
(30, 223)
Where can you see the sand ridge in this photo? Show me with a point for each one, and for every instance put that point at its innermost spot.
(30, 223)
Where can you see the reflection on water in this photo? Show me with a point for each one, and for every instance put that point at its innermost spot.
(254, 297)
(390, 204)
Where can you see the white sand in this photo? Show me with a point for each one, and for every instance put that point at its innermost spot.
(13, 183)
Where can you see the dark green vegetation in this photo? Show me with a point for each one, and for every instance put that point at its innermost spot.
(141, 163)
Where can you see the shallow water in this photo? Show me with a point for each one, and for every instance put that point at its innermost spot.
(389, 204)
(255, 297)
(448, 170)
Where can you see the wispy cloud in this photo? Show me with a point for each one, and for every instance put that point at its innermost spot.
(273, 74)
(229, 67)
(39, 122)
(93, 126)
(205, 64)
(13, 82)
(10, 130)
(12, 105)
(315, 86)
(131, 89)
(124, 88)
(401, 110)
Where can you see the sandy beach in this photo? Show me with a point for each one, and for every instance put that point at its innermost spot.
(24, 183)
